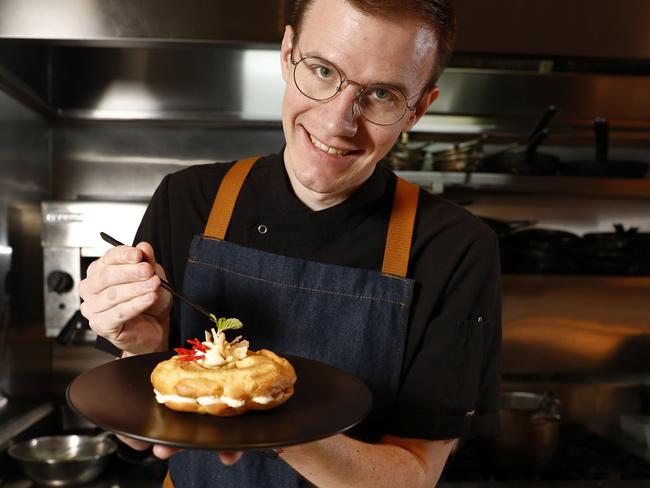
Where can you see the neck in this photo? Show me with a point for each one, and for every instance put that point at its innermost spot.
(315, 200)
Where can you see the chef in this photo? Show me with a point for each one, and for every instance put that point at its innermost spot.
(325, 254)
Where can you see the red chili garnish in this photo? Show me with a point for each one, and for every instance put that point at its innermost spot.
(183, 351)
(191, 354)
(196, 344)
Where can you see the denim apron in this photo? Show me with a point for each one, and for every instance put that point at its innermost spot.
(350, 318)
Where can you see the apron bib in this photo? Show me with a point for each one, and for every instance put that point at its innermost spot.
(350, 318)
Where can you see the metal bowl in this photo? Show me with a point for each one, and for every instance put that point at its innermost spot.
(64, 459)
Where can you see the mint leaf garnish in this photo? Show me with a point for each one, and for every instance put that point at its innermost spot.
(225, 324)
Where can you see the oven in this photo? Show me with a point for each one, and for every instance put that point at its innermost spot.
(70, 242)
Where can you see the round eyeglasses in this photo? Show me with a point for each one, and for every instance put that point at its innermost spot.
(320, 80)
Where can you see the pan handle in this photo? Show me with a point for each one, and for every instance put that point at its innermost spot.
(601, 133)
(543, 122)
(534, 143)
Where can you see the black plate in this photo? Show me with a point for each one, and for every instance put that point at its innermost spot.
(118, 396)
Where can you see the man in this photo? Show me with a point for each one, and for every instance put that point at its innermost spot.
(303, 253)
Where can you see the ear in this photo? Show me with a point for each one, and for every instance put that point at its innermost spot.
(421, 106)
(285, 52)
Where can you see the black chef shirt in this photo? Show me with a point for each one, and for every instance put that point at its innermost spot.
(450, 375)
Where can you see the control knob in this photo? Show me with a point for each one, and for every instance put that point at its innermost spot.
(59, 282)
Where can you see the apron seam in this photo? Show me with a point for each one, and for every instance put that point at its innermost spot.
(285, 285)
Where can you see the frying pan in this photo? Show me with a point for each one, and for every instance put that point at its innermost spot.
(527, 161)
(503, 228)
(602, 166)
(543, 251)
(464, 156)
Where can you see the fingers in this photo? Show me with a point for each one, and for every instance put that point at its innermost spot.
(115, 295)
(226, 457)
(149, 257)
(101, 275)
(133, 443)
(109, 322)
(229, 458)
(123, 300)
(164, 452)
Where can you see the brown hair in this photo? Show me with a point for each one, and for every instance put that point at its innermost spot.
(438, 14)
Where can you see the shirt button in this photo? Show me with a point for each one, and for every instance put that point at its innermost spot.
(262, 229)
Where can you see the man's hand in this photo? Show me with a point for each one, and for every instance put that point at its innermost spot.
(123, 300)
(228, 458)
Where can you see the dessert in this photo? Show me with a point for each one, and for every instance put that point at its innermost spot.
(222, 378)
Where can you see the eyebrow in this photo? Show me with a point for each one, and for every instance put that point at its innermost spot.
(399, 85)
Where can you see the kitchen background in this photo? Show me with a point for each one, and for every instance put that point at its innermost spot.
(542, 128)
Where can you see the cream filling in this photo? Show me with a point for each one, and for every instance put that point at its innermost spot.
(326, 148)
(210, 400)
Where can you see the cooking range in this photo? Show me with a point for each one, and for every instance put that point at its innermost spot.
(581, 456)
(71, 241)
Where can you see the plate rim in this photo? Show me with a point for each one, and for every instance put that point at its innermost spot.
(364, 391)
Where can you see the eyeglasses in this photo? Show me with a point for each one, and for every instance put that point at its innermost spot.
(320, 80)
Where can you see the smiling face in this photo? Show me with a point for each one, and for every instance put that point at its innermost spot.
(330, 148)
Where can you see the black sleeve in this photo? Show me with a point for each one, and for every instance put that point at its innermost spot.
(451, 387)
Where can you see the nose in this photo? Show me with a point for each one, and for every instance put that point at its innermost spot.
(341, 113)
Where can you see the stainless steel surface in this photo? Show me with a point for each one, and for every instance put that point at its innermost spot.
(235, 85)
(128, 161)
(64, 460)
(519, 186)
(145, 20)
(221, 83)
(524, 95)
(16, 420)
(24, 147)
(569, 28)
(24, 181)
(120, 68)
(584, 28)
(71, 239)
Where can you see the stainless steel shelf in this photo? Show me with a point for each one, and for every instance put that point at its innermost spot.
(440, 182)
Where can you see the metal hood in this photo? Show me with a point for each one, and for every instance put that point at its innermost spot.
(217, 61)
(144, 21)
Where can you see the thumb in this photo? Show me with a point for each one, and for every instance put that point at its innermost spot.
(150, 257)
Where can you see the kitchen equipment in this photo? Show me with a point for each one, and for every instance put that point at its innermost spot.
(602, 166)
(164, 284)
(622, 252)
(464, 156)
(405, 155)
(529, 431)
(526, 161)
(543, 251)
(70, 240)
(64, 460)
(637, 427)
(582, 459)
(504, 228)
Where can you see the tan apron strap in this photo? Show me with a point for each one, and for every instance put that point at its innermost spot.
(224, 202)
(167, 482)
(400, 229)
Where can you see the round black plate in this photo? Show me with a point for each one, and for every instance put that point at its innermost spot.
(118, 396)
